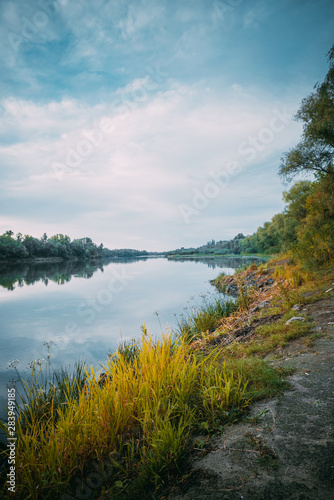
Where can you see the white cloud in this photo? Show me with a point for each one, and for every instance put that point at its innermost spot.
(159, 151)
(139, 16)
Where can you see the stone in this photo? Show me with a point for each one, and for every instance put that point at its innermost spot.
(295, 318)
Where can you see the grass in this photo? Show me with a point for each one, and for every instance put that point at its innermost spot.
(200, 319)
(267, 457)
(267, 338)
(138, 423)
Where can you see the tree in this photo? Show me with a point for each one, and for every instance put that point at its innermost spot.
(315, 152)
(315, 236)
(317, 110)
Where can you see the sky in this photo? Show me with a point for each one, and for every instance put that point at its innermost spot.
(152, 124)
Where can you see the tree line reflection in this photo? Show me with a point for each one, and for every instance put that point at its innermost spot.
(21, 274)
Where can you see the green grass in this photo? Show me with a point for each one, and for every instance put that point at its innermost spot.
(200, 319)
(268, 337)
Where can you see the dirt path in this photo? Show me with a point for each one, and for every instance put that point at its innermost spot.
(285, 449)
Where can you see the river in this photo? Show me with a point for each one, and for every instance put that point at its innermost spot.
(87, 309)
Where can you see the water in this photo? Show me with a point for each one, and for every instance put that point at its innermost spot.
(87, 309)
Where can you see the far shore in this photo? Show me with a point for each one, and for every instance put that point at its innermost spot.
(211, 256)
(54, 260)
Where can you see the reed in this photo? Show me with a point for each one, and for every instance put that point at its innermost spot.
(138, 422)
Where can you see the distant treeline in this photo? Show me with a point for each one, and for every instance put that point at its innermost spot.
(58, 246)
(222, 247)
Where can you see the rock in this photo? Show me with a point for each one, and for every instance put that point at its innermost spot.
(265, 303)
(231, 289)
(296, 307)
(295, 318)
(270, 281)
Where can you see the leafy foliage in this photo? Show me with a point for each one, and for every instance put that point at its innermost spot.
(222, 247)
(306, 227)
(315, 152)
(59, 246)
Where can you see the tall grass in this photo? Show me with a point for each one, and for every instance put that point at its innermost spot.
(294, 274)
(139, 421)
(203, 318)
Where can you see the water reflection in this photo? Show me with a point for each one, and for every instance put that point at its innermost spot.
(19, 274)
(214, 262)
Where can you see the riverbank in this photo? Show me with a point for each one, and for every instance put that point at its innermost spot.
(58, 260)
(284, 446)
(162, 405)
(217, 255)
(34, 260)
(45, 260)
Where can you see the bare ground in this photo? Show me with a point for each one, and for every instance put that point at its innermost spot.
(284, 449)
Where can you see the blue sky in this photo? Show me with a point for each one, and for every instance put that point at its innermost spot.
(152, 123)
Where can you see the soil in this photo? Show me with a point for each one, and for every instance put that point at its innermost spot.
(284, 448)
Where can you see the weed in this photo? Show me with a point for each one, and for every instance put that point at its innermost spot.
(203, 318)
(293, 274)
(310, 341)
(155, 395)
(267, 458)
(244, 295)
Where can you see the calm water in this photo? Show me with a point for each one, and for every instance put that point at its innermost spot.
(86, 310)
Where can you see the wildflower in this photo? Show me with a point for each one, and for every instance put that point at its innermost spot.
(12, 363)
(12, 383)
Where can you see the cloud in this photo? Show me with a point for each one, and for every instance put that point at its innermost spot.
(141, 15)
(115, 113)
(155, 153)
